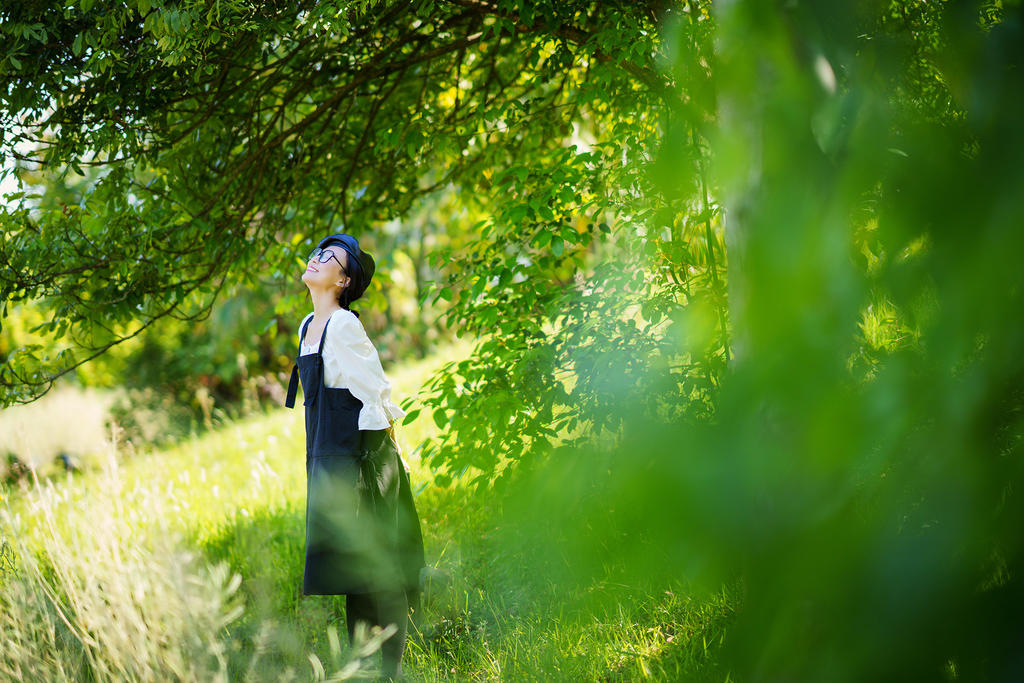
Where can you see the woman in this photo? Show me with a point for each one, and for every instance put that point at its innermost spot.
(362, 533)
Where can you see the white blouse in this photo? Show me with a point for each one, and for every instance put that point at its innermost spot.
(351, 361)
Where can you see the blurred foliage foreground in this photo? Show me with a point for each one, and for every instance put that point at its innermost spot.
(851, 449)
(871, 503)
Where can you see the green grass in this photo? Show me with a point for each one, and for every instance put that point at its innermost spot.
(234, 498)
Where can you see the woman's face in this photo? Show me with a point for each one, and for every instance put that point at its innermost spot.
(329, 274)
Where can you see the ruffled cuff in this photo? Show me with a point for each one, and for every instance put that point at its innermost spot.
(379, 416)
(394, 412)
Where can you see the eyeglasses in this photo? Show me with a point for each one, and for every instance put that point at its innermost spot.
(325, 255)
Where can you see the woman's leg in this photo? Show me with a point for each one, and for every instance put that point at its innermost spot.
(381, 609)
(393, 608)
(359, 607)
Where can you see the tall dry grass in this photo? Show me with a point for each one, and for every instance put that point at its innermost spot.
(93, 588)
(91, 595)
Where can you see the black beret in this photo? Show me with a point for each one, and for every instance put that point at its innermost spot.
(360, 263)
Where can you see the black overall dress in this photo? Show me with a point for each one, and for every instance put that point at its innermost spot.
(362, 531)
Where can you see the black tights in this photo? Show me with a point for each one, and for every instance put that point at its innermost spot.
(381, 609)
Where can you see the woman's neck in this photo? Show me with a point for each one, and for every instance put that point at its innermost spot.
(324, 304)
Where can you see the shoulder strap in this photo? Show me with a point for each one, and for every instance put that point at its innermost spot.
(293, 387)
(293, 382)
(305, 326)
(323, 337)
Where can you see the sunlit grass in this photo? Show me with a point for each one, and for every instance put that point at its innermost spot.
(90, 593)
(231, 502)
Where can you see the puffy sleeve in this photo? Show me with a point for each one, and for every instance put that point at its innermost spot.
(351, 360)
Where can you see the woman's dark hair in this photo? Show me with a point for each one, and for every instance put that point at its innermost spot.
(345, 295)
(359, 269)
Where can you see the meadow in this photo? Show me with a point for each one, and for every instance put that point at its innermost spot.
(185, 563)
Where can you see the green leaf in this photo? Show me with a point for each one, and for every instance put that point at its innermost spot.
(517, 213)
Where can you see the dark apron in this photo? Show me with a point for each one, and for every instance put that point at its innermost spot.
(362, 531)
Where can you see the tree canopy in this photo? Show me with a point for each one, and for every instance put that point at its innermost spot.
(221, 142)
